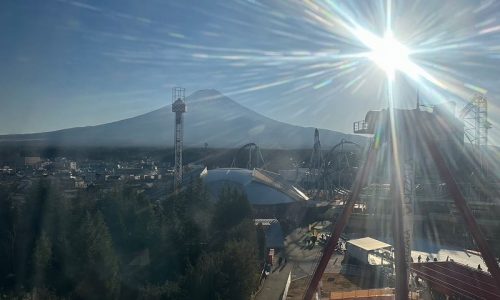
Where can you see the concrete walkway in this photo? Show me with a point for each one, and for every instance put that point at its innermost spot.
(301, 261)
(274, 285)
(304, 258)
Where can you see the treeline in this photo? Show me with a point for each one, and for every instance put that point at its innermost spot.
(274, 159)
(119, 245)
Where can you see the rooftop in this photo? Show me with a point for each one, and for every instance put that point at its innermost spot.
(261, 187)
(368, 244)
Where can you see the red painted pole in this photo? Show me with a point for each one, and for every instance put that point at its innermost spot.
(340, 224)
(398, 233)
(462, 207)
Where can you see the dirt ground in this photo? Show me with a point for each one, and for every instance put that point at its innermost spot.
(330, 282)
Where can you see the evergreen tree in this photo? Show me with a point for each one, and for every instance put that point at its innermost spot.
(231, 209)
(83, 248)
(98, 273)
(42, 257)
(205, 280)
(229, 269)
(238, 272)
(9, 236)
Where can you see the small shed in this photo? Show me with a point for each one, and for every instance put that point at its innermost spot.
(368, 250)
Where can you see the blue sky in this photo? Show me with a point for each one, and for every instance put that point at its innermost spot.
(75, 63)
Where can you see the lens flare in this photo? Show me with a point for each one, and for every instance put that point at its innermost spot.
(326, 51)
(389, 54)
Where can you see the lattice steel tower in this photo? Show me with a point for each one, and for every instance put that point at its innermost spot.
(179, 108)
(476, 125)
(475, 116)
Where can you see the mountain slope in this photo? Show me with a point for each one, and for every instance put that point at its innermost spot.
(210, 118)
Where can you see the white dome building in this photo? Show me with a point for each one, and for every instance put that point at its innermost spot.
(267, 192)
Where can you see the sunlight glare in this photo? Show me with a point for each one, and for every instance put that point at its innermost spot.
(389, 55)
(387, 52)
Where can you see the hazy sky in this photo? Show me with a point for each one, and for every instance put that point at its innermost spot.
(74, 63)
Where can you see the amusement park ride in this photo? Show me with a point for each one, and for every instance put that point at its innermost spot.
(405, 137)
(403, 140)
(248, 156)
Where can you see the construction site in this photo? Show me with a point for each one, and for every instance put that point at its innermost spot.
(410, 215)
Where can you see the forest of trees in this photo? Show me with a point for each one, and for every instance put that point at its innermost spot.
(120, 245)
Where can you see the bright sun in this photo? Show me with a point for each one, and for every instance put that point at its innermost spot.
(390, 55)
(387, 52)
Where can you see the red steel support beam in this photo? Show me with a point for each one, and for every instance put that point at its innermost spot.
(340, 224)
(462, 206)
(398, 233)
